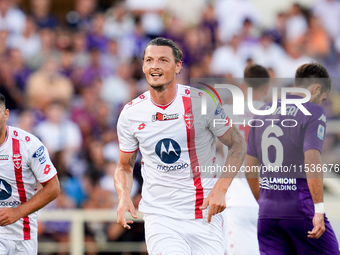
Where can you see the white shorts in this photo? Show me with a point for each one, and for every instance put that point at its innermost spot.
(18, 247)
(168, 236)
(241, 230)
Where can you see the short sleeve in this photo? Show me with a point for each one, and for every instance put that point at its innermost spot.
(218, 120)
(127, 141)
(315, 129)
(40, 161)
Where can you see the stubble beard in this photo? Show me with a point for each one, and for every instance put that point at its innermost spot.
(162, 87)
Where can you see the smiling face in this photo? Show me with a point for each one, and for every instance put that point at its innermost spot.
(160, 67)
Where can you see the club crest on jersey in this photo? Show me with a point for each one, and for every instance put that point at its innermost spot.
(189, 120)
(162, 117)
(17, 160)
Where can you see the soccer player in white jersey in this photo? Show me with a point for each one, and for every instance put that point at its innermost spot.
(24, 161)
(176, 143)
(242, 210)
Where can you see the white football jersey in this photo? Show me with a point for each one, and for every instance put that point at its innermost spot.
(239, 192)
(177, 144)
(24, 161)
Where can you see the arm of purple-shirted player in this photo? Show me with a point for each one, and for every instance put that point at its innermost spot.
(123, 180)
(315, 185)
(252, 176)
(236, 153)
(45, 195)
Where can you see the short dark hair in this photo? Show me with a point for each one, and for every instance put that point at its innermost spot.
(256, 76)
(2, 100)
(161, 41)
(313, 73)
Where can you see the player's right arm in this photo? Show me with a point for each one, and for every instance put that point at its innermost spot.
(253, 176)
(315, 185)
(123, 180)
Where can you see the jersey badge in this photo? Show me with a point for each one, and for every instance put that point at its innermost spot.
(17, 160)
(38, 152)
(321, 132)
(189, 120)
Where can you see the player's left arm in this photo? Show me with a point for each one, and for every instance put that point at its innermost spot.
(251, 163)
(236, 153)
(315, 185)
(49, 192)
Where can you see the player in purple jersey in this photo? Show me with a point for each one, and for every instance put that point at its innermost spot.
(287, 150)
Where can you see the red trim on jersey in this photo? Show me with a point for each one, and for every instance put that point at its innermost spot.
(163, 107)
(194, 161)
(49, 179)
(129, 151)
(21, 189)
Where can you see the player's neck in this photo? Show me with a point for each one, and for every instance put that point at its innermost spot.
(3, 135)
(165, 96)
(256, 96)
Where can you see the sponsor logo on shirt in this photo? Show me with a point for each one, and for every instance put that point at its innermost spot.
(323, 118)
(141, 126)
(168, 150)
(218, 110)
(276, 183)
(321, 132)
(38, 152)
(42, 159)
(5, 190)
(4, 157)
(162, 117)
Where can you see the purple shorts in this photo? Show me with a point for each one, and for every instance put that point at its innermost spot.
(289, 237)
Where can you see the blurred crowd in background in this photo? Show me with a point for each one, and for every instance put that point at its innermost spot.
(66, 79)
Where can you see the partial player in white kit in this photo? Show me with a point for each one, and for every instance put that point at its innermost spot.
(24, 161)
(242, 208)
(177, 144)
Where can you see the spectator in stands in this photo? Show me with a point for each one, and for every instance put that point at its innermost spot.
(41, 14)
(59, 133)
(296, 23)
(12, 19)
(329, 13)
(47, 85)
(28, 42)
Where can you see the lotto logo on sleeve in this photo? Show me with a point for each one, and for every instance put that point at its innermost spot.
(47, 169)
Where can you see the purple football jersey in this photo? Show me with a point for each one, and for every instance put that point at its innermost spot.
(279, 142)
